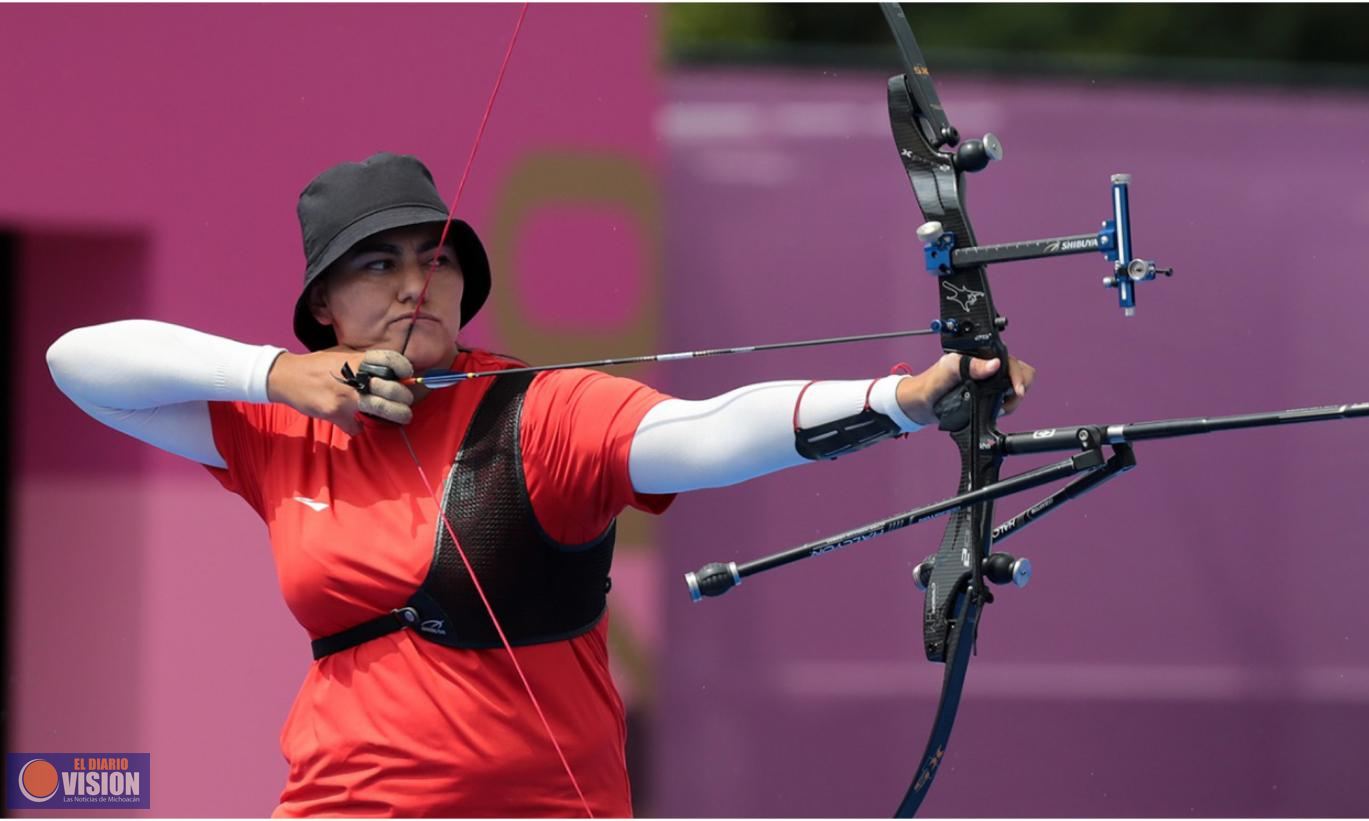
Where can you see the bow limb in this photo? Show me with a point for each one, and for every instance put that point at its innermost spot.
(489, 609)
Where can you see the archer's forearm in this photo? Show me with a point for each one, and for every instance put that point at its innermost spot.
(153, 381)
(141, 363)
(684, 445)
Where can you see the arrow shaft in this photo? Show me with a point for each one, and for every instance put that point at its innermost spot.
(444, 379)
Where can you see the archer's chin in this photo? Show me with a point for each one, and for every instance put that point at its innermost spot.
(426, 351)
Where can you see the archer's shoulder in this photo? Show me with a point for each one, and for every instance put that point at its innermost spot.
(581, 391)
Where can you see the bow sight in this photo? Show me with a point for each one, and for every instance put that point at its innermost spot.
(1113, 241)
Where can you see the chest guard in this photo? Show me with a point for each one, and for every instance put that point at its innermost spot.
(541, 590)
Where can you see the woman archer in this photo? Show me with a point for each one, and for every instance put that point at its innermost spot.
(412, 706)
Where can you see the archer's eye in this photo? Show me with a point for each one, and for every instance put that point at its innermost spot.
(442, 261)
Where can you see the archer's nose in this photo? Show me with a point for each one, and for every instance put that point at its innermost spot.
(412, 278)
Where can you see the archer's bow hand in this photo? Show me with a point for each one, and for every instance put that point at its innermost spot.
(317, 385)
(918, 395)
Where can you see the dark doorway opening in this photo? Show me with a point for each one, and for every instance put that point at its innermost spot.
(7, 340)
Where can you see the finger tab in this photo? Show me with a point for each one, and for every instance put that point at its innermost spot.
(399, 366)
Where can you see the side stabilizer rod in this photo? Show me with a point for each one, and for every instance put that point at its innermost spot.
(716, 578)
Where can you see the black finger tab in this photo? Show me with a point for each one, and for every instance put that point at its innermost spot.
(361, 378)
(381, 371)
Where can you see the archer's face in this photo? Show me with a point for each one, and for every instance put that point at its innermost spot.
(369, 294)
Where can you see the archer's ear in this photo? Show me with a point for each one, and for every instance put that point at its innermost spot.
(318, 303)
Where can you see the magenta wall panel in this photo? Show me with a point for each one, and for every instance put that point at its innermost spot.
(1193, 642)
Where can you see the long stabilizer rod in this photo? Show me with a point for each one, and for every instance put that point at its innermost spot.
(1067, 438)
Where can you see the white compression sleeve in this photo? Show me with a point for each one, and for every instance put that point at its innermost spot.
(153, 380)
(684, 445)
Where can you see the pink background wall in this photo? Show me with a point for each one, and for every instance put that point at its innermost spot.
(153, 156)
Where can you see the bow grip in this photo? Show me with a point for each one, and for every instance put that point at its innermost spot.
(953, 410)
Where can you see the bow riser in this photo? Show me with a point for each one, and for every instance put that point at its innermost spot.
(968, 538)
(969, 325)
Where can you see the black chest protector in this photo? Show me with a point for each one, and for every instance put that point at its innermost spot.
(541, 590)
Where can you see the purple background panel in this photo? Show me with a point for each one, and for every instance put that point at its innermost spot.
(1193, 642)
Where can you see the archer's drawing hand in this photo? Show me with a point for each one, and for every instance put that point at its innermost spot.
(388, 399)
(917, 395)
(312, 384)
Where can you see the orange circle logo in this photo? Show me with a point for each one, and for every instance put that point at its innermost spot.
(38, 780)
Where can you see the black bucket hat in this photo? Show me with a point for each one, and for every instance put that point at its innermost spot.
(352, 201)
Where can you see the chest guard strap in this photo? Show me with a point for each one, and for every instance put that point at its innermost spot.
(542, 591)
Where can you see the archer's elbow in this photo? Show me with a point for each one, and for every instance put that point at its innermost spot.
(64, 359)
